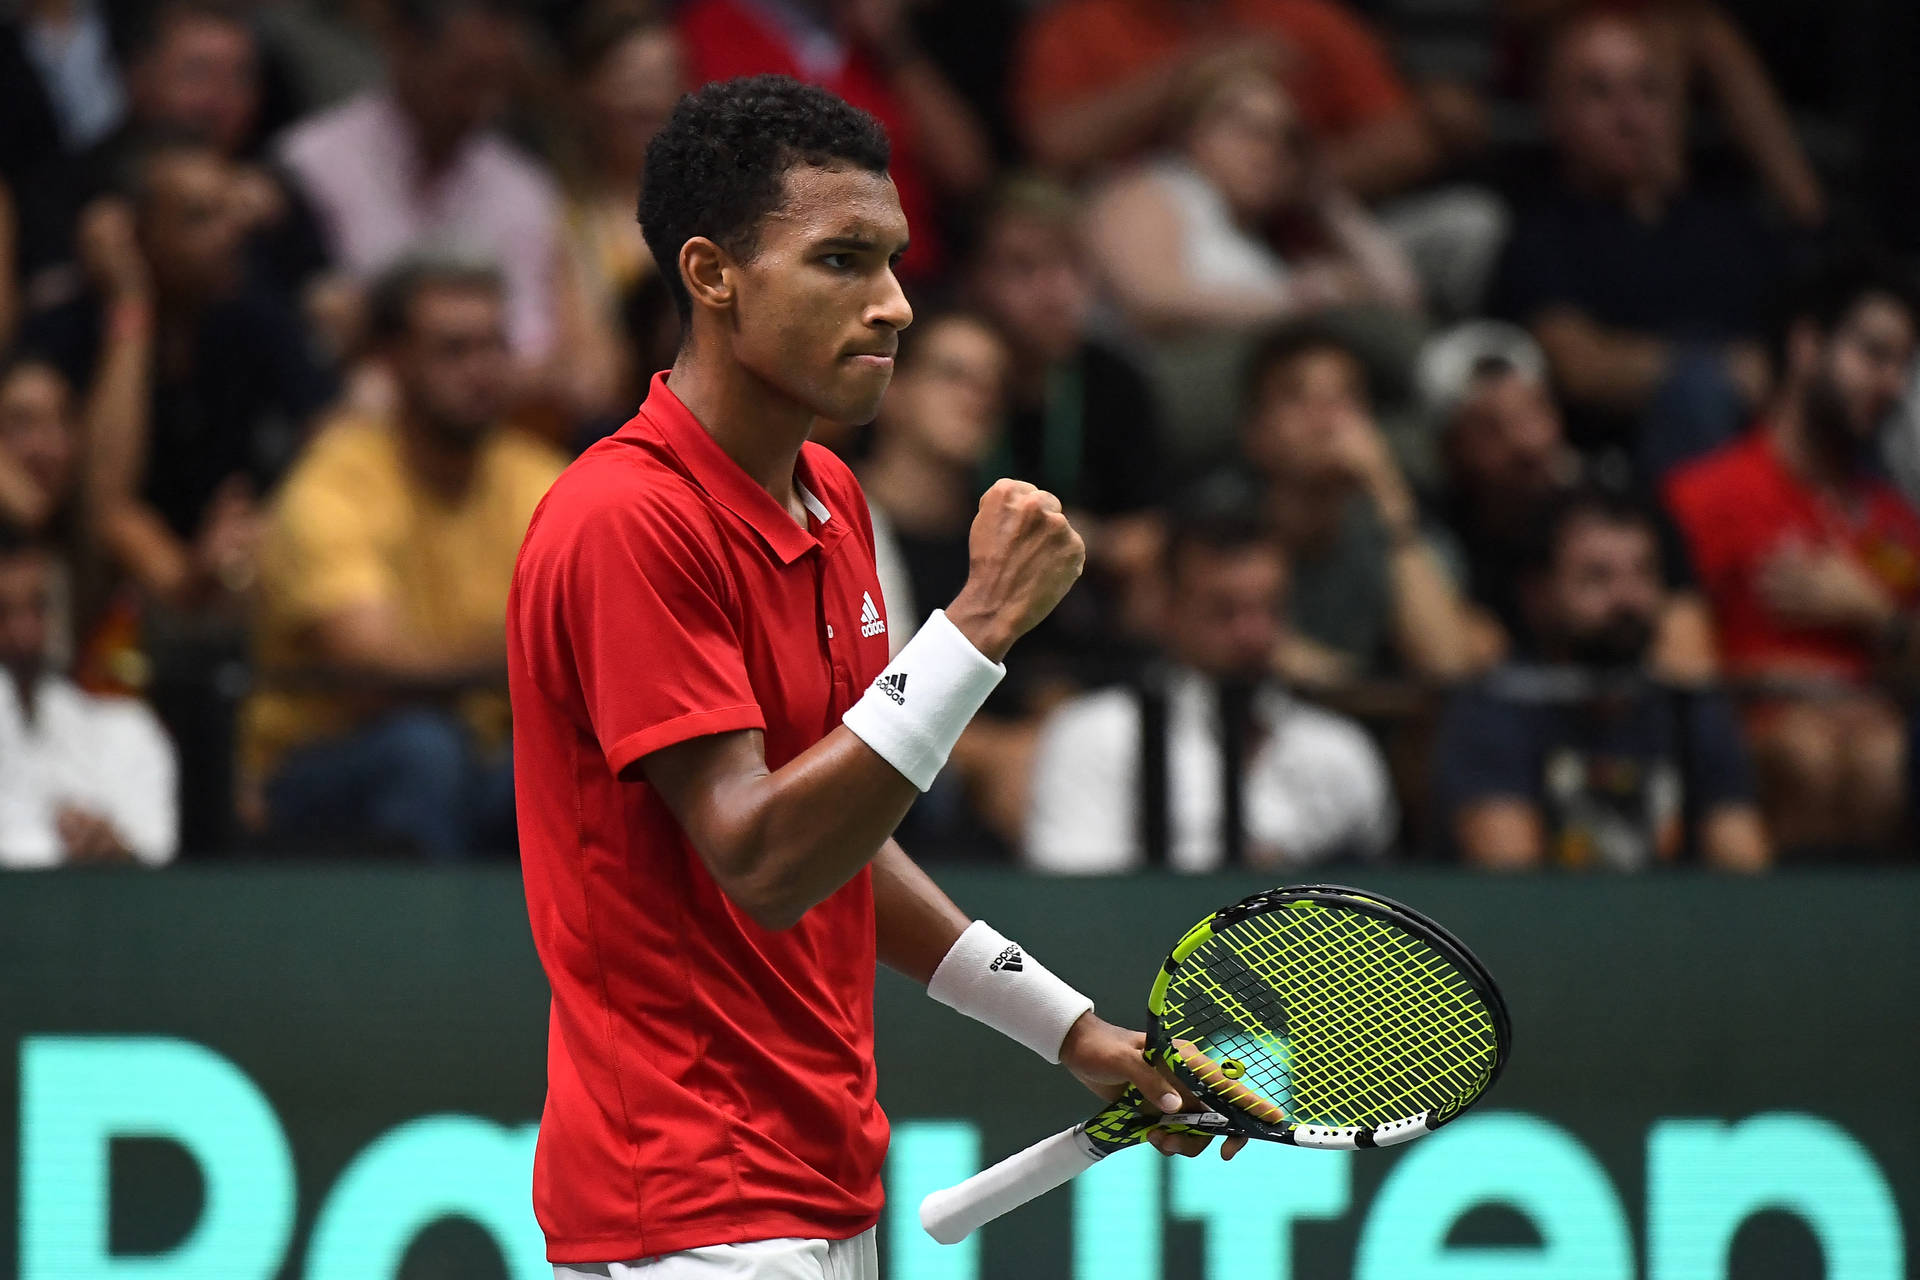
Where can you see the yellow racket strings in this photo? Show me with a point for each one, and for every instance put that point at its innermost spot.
(1357, 1022)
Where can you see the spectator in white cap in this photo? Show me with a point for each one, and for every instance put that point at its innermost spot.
(1507, 461)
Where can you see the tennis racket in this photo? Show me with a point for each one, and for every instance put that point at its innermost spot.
(1316, 1015)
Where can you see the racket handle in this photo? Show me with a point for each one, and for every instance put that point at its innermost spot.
(952, 1215)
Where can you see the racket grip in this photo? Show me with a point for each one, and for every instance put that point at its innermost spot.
(952, 1215)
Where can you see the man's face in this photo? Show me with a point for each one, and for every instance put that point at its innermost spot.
(1248, 142)
(1029, 279)
(192, 225)
(1604, 591)
(631, 94)
(1223, 610)
(1507, 445)
(453, 362)
(1303, 408)
(26, 611)
(950, 395)
(817, 310)
(1864, 370)
(1613, 106)
(459, 80)
(36, 428)
(202, 76)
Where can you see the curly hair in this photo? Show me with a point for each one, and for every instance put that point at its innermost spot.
(718, 166)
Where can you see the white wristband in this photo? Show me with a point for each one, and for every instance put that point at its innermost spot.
(915, 711)
(994, 981)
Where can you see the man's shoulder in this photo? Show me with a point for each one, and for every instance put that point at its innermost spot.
(522, 456)
(1099, 721)
(1327, 734)
(1729, 472)
(509, 170)
(629, 482)
(330, 134)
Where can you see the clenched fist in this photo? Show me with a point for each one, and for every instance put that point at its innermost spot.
(1024, 556)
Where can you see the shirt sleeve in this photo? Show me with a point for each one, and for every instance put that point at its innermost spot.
(1718, 769)
(1323, 792)
(1055, 64)
(322, 553)
(650, 615)
(1534, 272)
(136, 760)
(1353, 82)
(1080, 820)
(1484, 752)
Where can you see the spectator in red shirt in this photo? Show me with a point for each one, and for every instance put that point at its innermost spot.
(863, 51)
(1811, 561)
(1097, 80)
(713, 747)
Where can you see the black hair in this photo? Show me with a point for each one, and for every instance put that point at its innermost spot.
(390, 301)
(1595, 502)
(1218, 519)
(1029, 196)
(145, 32)
(603, 27)
(425, 19)
(719, 165)
(1287, 342)
(1826, 292)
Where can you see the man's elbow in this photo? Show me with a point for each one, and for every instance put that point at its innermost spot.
(765, 885)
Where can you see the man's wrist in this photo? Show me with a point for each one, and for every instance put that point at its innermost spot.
(997, 982)
(982, 628)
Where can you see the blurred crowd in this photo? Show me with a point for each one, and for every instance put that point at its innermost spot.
(1491, 422)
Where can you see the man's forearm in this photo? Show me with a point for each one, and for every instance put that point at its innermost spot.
(781, 841)
(916, 922)
(1081, 135)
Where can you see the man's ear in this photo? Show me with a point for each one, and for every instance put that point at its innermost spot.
(707, 271)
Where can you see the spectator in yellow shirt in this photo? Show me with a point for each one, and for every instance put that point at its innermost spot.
(381, 715)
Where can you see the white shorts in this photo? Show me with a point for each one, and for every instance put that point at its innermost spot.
(791, 1259)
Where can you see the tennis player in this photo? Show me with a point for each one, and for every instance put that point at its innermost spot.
(713, 748)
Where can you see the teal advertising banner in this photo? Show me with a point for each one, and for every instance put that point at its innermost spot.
(245, 1074)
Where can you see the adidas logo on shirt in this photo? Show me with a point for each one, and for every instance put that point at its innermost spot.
(1010, 959)
(894, 686)
(871, 623)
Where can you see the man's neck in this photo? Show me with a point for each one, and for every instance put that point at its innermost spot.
(920, 494)
(758, 427)
(1815, 463)
(1646, 199)
(26, 686)
(443, 467)
(1305, 514)
(435, 153)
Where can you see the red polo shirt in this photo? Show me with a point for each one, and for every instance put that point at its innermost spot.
(1740, 505)
(709, 1081)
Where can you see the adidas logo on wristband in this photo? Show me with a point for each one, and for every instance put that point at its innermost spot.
(894, 686)
(1009, 959)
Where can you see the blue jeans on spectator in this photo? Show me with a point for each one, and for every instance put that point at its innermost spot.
(411, 777)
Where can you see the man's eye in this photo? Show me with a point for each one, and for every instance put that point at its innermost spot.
(838, 261)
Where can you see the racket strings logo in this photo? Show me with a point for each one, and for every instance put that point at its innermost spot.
(1009, 959)
(871, 623)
